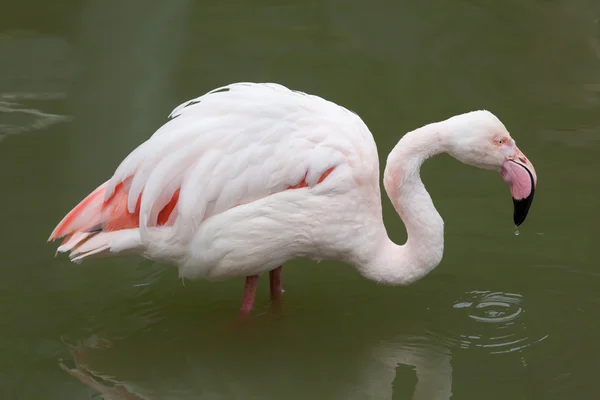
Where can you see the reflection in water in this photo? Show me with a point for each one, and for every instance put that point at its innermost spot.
(186, 353)
(377, 372)
(502, 311)
(430, 362)
(106, 386)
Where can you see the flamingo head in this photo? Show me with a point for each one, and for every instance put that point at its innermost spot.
(481, 140)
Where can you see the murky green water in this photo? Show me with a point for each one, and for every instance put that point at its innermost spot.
(503, 317)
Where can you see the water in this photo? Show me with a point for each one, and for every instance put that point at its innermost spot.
(82, 82)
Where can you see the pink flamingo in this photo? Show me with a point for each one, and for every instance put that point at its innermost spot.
(249, 176)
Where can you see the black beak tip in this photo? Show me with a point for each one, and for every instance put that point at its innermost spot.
(521, 208)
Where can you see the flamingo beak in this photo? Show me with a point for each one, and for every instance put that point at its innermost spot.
(519, 173)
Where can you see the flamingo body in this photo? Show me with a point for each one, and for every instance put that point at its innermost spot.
(236, 183)
(249, 176)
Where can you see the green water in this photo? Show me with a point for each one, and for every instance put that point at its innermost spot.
(82, 82)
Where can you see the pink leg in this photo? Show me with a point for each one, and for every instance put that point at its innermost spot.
(249, 291)
(275, 283)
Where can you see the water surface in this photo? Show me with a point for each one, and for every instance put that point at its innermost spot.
(82, 82)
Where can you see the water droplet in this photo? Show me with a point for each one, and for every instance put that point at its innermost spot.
(517, 231)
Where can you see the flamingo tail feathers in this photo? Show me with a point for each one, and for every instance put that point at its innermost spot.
(101, 227)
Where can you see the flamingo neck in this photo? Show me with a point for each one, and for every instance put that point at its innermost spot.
(401, 265)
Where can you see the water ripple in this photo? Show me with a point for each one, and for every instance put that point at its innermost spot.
(18, 117)
(497, 326)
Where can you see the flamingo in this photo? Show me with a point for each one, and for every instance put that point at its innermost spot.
(251, 175)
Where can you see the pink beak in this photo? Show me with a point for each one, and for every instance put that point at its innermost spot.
(519, 173)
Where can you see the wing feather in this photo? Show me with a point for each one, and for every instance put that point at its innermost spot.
(237, 144)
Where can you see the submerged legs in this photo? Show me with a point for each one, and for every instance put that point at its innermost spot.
(249, 292)
(275, 283)
(252, 284)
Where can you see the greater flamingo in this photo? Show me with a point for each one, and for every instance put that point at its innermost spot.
(249, 176)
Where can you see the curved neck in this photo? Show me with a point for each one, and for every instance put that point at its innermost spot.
(423, 250)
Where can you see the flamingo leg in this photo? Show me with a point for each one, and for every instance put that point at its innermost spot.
(249, 292)
(275, 283)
